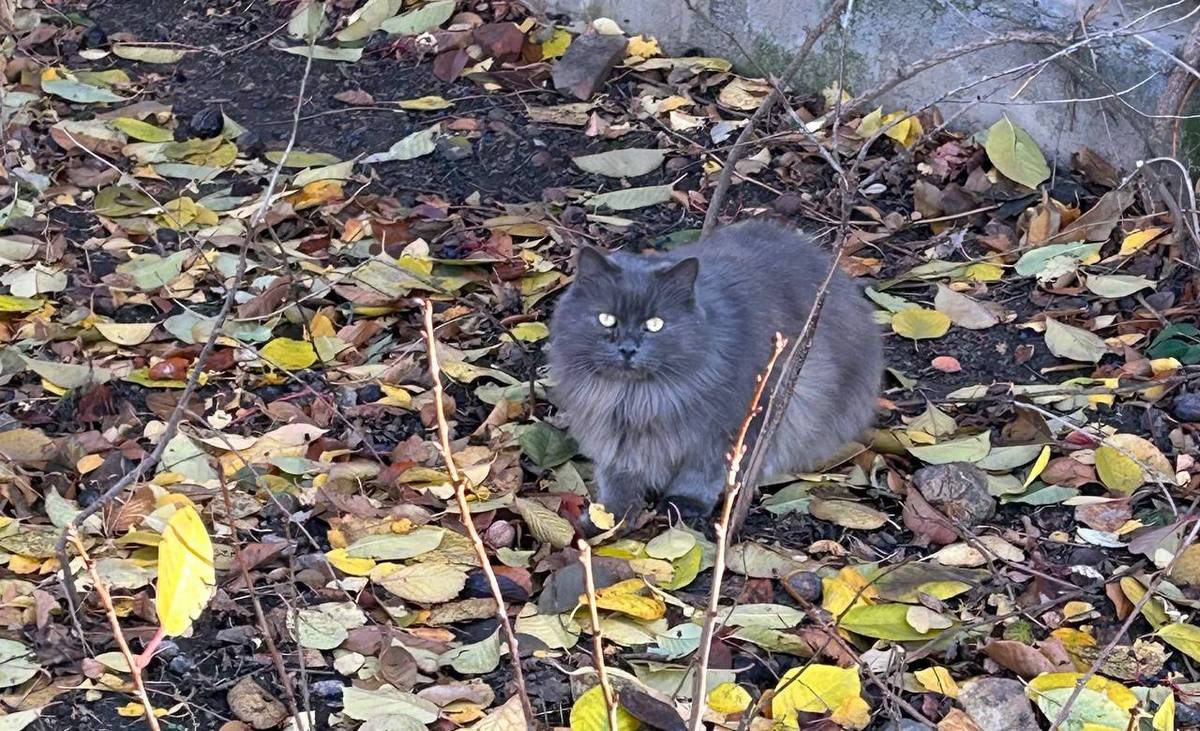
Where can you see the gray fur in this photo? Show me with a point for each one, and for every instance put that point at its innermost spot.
(663, 422)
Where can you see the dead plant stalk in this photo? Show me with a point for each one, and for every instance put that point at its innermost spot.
(733, 486)
(464, 510)
(135, 670)
(589, 584)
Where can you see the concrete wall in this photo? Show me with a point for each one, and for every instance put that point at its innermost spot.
(883, 35)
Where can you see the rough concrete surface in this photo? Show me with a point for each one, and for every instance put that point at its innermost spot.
(1120, 75)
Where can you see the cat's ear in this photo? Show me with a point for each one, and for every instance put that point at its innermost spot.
(681, 274)
(591, 262)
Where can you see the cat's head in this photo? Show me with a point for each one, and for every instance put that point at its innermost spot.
(630, 317)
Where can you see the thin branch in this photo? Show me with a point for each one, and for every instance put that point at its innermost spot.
(464, 509)
(285, 679)
(610, 698)
(740, 146)
(734, 482)
(135, 669)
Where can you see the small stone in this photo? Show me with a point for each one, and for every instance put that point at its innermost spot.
(454, 148)
(328, 689)
(587, 63)
(250, 143)
(997, 704)
(906, 724)
(207, 123)
(1187, 407)
(500, 534)
(346, 397)
(167, 237)
(541, 159)
(250, 702)
(181, 665)
(93, 37)
(369, 393)
(788, 204)
(806, 585)
(959, 490)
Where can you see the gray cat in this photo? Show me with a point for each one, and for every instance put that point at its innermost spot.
(654, 359)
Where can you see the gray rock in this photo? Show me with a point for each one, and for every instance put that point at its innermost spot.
(959, 490)
(905, 724)
(998, 704)
(1187, 407)
(587, 63)
(454, 148)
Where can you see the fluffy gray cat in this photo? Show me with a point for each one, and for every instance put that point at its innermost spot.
(654, 359)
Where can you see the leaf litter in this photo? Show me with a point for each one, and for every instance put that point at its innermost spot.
(1030, 535)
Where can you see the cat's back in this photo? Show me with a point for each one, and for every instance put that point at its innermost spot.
(761, 253)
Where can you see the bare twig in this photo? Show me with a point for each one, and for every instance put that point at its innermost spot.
(739, 147)
(734, 482)
(464, 508)
(135, 669)
(285, 679)
(610, 698)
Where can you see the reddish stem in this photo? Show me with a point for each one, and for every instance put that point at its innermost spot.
(148, 654)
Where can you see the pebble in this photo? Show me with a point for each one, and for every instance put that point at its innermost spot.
(806, 585)
(1187, 407)
(958, 489)
(329, 689)
(454, 148)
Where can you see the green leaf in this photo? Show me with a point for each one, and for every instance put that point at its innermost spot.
(324, 53)
(546, 525)
(76, 91)
(882, 622)
(1183, 637)
(367, 19)
(1115, 286)
(143, 131)
(627, 163)
(302, 158)
(965, 449)
(417, 144)
(414, 22)
(546, 446)
(1074, 343)
(631, 198)
(478, 658)
(1015, 154)
(17, 663)
(396, 546)
(1035, 261)
(363, 705)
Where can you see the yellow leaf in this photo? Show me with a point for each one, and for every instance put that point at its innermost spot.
(589, 713)
(288, 354)
(425, 103)
(919, 323)
(870, 124)
(177, 213)
(643, 47)
(1153, 610)
(1164, 717)
(348, 564)
(1136, 240)
(1183, 637)
(814, 689)
(622, 597)
(395, 396)
(853, 712)
(1101, 703)
(142, 131)
(848, 589)
(729, 698)
(530, 332)
(1042, 460)
(1159, 366)
(600, 517)
(320, 326)
(134, 709)
(1118, 472)
(984, 272)
(88, 462)
(906, 131)
(185, 571)
(937, 679)
(19, 564)
(316, 193)
(126, 333)
(557, 44)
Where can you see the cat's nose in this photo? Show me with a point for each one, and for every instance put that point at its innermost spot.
(627, 350)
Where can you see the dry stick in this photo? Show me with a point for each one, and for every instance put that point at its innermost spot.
(276, 658)
(464, 509)
(739, 147)
(1065, 711)
(733, 486)
(135, 671)
(610, 698)
(781, 394)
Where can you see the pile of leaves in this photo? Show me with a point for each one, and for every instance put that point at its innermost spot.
(1019, 533)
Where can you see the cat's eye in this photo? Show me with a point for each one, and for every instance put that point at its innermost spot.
(607, 320)
(654, 324)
